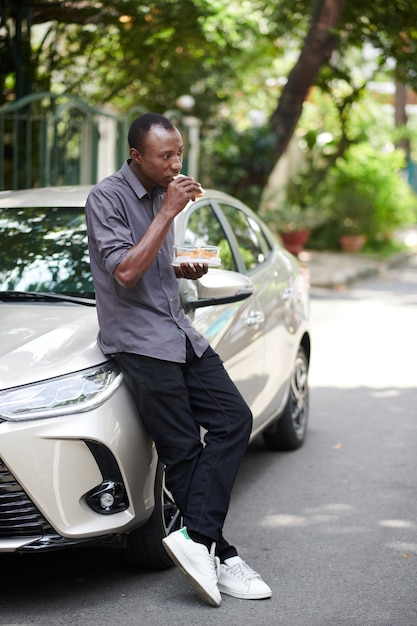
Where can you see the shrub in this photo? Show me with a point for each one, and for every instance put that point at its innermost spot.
(368, 195)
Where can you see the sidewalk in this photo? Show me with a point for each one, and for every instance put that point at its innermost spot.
(335, 270)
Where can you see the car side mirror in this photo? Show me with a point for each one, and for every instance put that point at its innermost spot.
(215, 287)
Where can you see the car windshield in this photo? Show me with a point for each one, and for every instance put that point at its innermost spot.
(45, 250)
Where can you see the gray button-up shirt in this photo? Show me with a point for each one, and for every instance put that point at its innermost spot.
(147, 319)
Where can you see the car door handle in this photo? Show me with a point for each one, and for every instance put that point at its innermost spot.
(255, 318)
(288, 293)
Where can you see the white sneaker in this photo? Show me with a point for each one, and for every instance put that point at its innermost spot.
(241, 581)
(197, 563)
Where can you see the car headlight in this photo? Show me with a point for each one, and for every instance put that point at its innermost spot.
(63, 395)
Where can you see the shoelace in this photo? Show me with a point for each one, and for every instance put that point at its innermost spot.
(216, 560)
(243, 571)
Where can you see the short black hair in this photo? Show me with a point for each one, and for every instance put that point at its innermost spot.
(141, 126)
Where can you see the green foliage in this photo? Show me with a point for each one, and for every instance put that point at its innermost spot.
(128, 52)
(232, 56)
(392, 33)
(238, 162)
(368, 195)
(300, 205)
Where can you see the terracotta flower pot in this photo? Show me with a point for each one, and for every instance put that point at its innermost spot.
(295, 241)
(352, 243)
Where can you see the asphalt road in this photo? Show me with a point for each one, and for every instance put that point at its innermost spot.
(332, 527)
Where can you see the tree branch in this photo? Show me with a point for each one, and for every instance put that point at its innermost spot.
(317, 50)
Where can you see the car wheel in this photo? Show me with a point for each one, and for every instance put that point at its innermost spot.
(288, 432)
(143, 546)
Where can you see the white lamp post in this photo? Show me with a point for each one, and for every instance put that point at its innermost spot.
(192, 124)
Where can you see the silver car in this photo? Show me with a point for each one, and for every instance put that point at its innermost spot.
(76, 464)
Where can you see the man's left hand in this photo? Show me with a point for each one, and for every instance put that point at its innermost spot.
(191, 271)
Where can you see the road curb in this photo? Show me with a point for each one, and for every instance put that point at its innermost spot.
(338, 270)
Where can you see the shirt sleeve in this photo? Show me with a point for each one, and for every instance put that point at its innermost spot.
(108, 228)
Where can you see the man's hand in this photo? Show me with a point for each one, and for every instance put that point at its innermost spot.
(185, 185)
(191, 271)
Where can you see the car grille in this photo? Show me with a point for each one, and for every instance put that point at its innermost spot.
(19, 517)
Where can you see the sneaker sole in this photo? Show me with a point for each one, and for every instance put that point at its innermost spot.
(182, 565)
(244, 596)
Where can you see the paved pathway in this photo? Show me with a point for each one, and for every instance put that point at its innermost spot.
(335, 270)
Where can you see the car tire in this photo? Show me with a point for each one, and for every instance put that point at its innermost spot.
(288, 432)
(143, 547)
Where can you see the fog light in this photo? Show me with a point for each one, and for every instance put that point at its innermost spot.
(107, 498)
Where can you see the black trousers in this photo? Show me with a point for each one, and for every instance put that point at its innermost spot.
(176, 399)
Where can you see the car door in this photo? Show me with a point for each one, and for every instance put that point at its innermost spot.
(235, 330)
(267, 314)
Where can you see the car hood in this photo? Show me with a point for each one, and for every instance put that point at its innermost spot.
(40, 341)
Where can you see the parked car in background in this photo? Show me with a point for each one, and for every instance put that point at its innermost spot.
(76, 464)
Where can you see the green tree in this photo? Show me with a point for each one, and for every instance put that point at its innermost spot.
(318, 46)
(337, 26)
(126, 52)
(132, 52)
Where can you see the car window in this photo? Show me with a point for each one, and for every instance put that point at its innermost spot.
(204, 228)
(45, 250)
(252, 242)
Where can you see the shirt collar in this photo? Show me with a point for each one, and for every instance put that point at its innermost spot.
(135, 183)
(133, 180)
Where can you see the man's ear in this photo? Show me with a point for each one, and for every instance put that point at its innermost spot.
(135, 155)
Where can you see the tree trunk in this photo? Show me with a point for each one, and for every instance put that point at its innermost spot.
(401, 117)
(317, 50)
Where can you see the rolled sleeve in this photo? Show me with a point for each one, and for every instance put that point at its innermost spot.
(108, 228)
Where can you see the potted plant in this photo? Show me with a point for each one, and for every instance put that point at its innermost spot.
(370, 198)
(353, 213)
(294, 209)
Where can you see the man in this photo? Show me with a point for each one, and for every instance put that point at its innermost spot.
(178, 381)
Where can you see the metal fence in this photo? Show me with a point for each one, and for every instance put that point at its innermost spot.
(50, 139)
(57, 139)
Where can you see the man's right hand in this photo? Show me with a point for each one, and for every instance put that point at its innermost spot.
(181, 190)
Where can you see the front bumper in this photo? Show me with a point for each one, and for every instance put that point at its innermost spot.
(49, 467)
